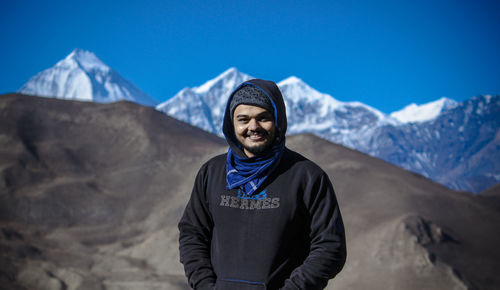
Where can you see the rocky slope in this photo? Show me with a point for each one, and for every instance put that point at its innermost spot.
(86, 187)
(91, 195)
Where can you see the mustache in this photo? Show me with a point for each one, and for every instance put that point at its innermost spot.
(261, 132)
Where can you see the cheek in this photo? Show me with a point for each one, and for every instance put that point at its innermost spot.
(269, 128)
(238, 129)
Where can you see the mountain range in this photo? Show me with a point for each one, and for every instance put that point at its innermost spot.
(91, 194)
(455, 144)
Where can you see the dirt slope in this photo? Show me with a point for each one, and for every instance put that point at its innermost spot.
(90, 195)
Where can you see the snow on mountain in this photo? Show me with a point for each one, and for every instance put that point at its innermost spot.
(422, 113)
(307, 109)
(83, 76)
(204, 106)
(310, 111)
(458, 148)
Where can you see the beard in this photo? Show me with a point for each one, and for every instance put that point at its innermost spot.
(261, 148)
(257, 150)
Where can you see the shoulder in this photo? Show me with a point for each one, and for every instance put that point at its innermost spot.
(216, 160)
(313, 180)
(294, 166)
(214, 163)
(212, 170)
(296, 161)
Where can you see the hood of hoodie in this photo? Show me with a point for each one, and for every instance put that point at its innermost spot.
(272, 91)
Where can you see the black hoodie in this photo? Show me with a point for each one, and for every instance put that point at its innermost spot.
(288, 236)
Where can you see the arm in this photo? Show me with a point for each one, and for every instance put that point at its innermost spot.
(328, 250)
(195, 232)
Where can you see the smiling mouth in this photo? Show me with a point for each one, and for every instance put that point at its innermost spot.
(256, 136)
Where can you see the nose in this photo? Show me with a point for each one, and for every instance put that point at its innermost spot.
(253, 125)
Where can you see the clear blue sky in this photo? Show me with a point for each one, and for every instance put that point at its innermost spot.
(386, 54)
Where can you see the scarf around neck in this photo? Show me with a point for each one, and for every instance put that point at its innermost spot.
(249, 173)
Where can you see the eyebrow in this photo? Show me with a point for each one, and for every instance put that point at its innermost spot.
(258, 115)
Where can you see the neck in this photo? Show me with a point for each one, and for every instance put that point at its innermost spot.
(248, 153)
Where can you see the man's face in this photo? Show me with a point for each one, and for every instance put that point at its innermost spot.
(254, 128)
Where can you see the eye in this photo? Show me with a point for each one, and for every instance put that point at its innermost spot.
(265, 119)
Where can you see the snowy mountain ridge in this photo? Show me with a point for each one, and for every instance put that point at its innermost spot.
(417, 138)
(425, 112)
(307, 108)
(83, 76)
(310, 111)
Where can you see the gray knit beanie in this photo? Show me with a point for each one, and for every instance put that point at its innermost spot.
(250, 95)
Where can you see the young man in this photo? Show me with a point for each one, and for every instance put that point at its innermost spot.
(260, 216)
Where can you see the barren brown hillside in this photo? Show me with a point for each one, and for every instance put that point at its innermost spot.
(90, 196)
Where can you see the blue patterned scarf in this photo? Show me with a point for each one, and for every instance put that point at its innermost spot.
(249, 173)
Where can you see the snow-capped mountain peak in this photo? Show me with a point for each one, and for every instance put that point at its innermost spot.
(83, 76)
(204, 106)
(294, 90)
(414, 113)
(232, 77)
(86, 59)
(291, 81)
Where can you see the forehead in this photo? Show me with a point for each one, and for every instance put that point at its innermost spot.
(249, 110)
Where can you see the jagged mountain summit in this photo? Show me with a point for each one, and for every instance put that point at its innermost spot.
(346, 123)
(204, 106)
(442, 140)
(83, 76)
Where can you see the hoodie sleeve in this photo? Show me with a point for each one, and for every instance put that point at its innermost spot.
(195, 231)
(328, 250)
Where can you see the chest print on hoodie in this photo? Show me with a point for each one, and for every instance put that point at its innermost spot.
(255, 202)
